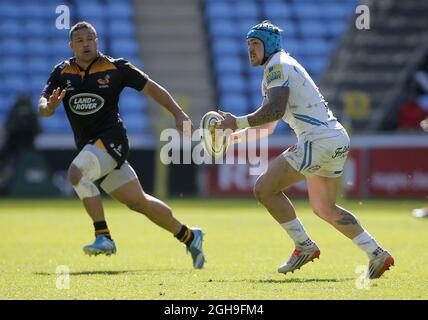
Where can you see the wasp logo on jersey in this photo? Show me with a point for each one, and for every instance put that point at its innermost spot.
(85, 103)
(104, 82)
(274, 73)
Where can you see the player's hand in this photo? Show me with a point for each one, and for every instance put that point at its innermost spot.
(424, 125)
(55, 98)
(184, 124)
(229, 121)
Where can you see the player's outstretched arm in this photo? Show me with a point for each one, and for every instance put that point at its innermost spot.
(257, 133)
(162, 96)
(47, 106)
(272, 109)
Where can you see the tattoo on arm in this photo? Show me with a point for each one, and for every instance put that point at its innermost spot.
(347, 218)
(273, 107)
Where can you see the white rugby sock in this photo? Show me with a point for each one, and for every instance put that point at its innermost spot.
(367, 243)
(297, 232)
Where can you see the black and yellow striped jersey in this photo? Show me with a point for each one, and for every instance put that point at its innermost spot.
(91, 101)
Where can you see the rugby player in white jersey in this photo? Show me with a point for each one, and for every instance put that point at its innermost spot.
(319, 155)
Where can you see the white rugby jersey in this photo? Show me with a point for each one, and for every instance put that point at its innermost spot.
(307, 111)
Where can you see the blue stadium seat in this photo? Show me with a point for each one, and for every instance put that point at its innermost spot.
(289, 27)
(335, 11)
(246, 9)
(336, 28)
(122, 28)
(12, 47)
(255, 84)
(274, 10)
(37, 83)
(313, 29)
(316, 46)
(226, 46)
(11, 65)
(136, 122)
(253, 71)
(307, 11)
(10, 28)
(36, 28)
(293, 46)
(14, 83)
(90, 11)
(256, 101)
(229, 64)
(60, 47)
(120, 10)
(131, 101)
(234, 102)
(37, 46)
(124, 47)
(231, 83)
(218, 10)
(223, 28)
(316, 65)
(92, 2)
(6, 102)
(56, 124)
(40, 11)
(9, 10)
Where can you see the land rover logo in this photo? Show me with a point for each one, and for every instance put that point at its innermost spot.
(85, 103)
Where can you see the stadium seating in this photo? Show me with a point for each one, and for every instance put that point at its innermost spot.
(31, 46)
(311, 32)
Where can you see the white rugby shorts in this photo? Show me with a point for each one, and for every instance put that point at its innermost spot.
(110, 177)
(324, 155)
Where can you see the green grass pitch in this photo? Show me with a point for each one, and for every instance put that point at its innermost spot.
(243, 246)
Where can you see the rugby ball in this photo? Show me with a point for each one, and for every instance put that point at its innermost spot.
(214, 141)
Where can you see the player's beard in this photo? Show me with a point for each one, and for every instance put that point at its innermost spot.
(254, 61)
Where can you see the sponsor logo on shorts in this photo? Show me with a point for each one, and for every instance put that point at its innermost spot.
(85, 103)
(313, 169)
(341, 152)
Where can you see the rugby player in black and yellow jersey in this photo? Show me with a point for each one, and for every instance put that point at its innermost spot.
(89, 85)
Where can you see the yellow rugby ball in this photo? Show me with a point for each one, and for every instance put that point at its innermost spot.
(214, 141)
